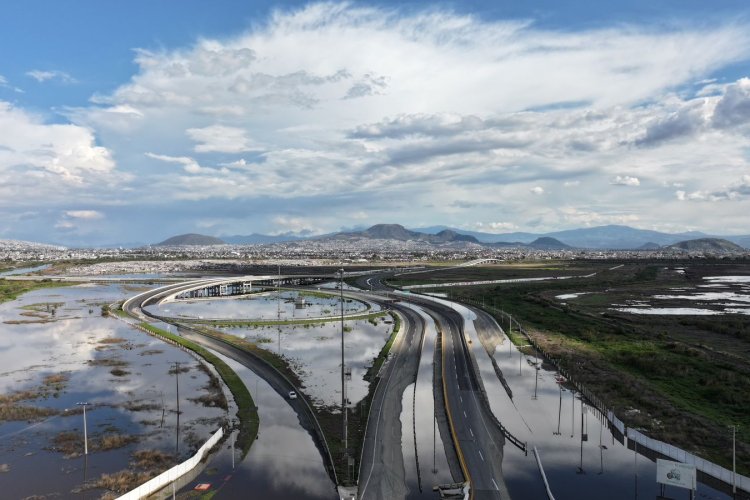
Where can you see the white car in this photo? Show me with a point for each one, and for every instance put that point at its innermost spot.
(292, 395)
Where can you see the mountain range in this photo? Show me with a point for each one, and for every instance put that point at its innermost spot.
(601, 237)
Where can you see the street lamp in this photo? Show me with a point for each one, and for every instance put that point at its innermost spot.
(85, 430)
(340, 272)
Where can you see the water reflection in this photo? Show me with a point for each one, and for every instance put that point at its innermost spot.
(268, 305)
(122, 372)
(581, 456)
(282, 463)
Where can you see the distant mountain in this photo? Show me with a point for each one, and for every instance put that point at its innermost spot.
(547, 243)
(649, 246)
(400, 233)
(600, 237)
(190, 239)
(707, 245)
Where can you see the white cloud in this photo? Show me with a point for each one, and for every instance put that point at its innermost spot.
(5, 84)
(41, 163)
(221, 139)
(42, 76)
(84, 214)
(625, 180)
(369, 107)
(494, 227)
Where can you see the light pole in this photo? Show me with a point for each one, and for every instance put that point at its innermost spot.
(343, 382)
(734, 460)
(85, 430)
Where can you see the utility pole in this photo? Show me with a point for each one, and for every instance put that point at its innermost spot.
(177, 385)
(343, 380)
(734, 460)
(85, 430)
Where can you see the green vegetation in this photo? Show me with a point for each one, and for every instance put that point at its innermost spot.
(247, 412)
(10, 290)
(688, 375)
(373, 371)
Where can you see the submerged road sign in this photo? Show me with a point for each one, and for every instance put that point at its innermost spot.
(676, 474)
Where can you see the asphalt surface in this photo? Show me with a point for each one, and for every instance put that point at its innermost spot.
(382, 473)
(480, 441)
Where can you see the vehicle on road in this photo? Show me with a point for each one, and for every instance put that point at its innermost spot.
(292, 395)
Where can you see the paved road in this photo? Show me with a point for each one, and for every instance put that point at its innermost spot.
(382, 473)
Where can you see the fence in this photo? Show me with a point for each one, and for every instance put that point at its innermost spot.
(668, 450)
(174, 473)
(680, 455)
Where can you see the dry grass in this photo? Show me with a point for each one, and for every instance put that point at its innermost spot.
(10, 413)
(68, 443)
(18, 396)
(113, 340)
(122, 481)
(107, 362)
(56, 381)
(149, 459)
(151, 352)
(114, 441)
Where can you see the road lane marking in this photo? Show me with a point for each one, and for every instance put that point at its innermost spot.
(493, 482)
(472, 432)
(465, 415)
(480, 455)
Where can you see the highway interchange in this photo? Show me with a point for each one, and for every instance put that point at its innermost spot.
(472, 438)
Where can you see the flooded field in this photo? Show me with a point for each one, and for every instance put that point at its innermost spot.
(287, 305)
(314, 351)
(56, 350)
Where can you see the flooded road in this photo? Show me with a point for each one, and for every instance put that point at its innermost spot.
(282, 463)
(581, 456)
(424, 456)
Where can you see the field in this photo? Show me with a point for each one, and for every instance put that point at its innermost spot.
(682, 376)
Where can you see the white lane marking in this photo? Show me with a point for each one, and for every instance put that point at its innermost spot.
(493, 482)
(472, 432)
(480, 455)
(465, 415)
(461, 398)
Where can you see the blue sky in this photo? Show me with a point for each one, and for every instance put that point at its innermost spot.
(131, 121)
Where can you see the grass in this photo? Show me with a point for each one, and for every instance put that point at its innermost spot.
(373, 371)
(11, 290)
(247, 412)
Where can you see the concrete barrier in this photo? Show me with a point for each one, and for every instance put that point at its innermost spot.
(168, 476)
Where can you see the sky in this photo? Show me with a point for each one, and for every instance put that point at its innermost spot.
(129, 122)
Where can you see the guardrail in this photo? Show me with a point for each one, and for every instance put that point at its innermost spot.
(680, 455)
(709, 468)
(171, 475)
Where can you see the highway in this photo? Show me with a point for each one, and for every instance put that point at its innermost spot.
(477, 440)
(381, 472)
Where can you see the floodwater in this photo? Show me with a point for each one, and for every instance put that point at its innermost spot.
(283, 463)
(60, 350)
(269, 306)
(727, 295)
(24, 270)
(426, 465)
(314, 351)
(580, 456)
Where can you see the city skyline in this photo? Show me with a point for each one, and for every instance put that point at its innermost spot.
(314, 117)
